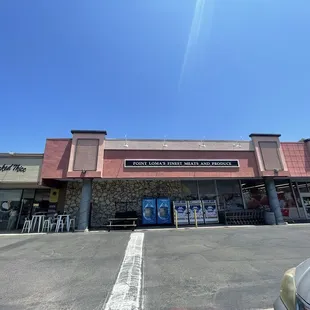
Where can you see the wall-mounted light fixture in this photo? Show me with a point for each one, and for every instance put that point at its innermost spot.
(164, 143)
(236, 145)
(202, 143)
(126, 142)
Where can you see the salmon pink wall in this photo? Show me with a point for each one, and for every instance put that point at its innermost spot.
(114, 164)
(56, 158)
(297, 158)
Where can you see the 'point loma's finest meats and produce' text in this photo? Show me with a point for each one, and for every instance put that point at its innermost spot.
(181, 163)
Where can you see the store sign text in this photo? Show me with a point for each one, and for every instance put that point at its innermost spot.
(12, 167)
(216, 163)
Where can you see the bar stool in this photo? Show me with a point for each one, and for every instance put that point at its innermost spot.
(26, 226)
(49, 224)
(46, 225)
(72, 223)
(62, 225)
(37, 218)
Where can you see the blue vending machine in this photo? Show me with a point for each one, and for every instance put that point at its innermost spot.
(163, 211)
(148, 211)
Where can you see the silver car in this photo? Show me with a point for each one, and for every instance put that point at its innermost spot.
(295, 289)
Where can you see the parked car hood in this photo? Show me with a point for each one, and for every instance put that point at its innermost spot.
(302, 278)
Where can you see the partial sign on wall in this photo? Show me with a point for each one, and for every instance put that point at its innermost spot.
(13, 167)
(270, 155)
(20, 169)
(54, 195)
(86, 154)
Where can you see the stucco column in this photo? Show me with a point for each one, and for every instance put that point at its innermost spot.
(273, 200)
(85, 204)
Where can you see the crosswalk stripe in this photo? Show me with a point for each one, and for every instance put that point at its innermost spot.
(126, 291)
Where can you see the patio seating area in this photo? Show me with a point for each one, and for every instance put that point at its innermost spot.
(43, 222)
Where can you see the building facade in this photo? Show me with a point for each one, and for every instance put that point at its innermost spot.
(21, 192)
(97, 176)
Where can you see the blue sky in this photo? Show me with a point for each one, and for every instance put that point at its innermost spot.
(116, 65)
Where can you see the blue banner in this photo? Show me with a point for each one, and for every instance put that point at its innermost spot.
(195, 205)
(148, 211)
(163, 211)
(210, 210)
(180, 208)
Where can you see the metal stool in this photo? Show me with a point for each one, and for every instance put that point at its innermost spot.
(47, 224)
(72, 224)
(61, 225)
(26, 226)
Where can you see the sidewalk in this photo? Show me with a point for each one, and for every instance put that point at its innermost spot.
(157, 228)
(18, 233)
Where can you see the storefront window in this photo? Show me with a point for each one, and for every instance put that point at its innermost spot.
(300, 210)
(286, 198)
(254, 194)
(189, 190)
(304, 187)
(41, 201)
(206, 189)
(306, 203)
(229, 195)
(285, 194)
(302, 193)
(9, 208)
(26, 206)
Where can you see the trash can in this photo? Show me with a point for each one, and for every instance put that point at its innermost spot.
(270, 218)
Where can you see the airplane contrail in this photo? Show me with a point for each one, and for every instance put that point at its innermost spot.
(193, 35)
(199, 20)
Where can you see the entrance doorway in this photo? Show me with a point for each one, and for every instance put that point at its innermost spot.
(305, 200)
(18, 204)
(33, 201)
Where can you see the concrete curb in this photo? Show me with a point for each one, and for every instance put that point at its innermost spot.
(220, 227)
(159, 229)
(52, 233)
(194, 228)
(20, 234)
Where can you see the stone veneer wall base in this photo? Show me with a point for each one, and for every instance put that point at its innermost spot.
(111, 196)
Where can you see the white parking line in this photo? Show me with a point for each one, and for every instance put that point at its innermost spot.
(127, 288)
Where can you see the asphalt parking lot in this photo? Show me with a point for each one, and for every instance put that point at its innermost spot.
(212, 268)
(59, 271)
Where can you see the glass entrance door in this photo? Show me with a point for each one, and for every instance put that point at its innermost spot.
(9, 208)
(25, 212)
(305, 199)
(26, 207)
